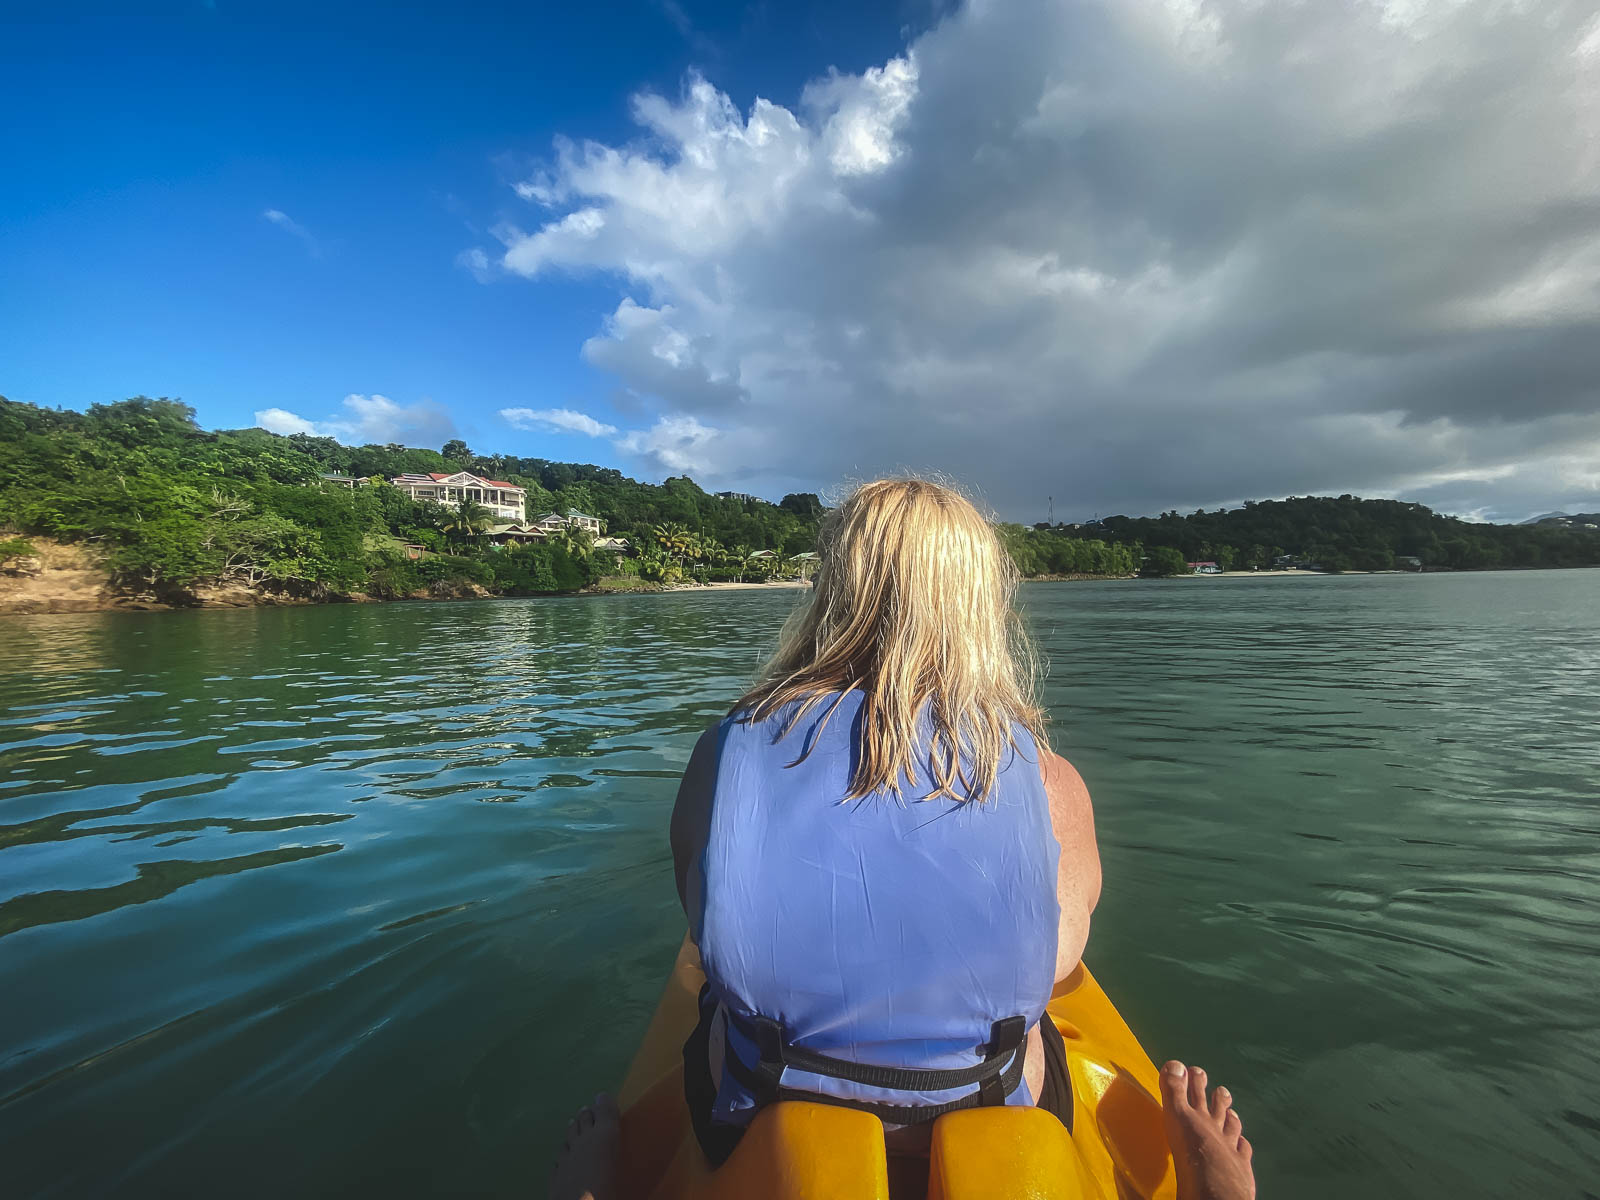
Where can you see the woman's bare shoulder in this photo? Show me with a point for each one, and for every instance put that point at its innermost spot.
(1062, 783)
(1072, 819)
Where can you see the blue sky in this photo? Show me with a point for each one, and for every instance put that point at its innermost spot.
(136, 256)
(1129, 254)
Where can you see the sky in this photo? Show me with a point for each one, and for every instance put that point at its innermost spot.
(1114, 257)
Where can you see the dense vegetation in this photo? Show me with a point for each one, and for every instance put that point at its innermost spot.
(1345, 534)
(1044, 552)
(173, 506)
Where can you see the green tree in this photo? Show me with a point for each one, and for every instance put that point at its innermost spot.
(1163, 561)
(468, 520)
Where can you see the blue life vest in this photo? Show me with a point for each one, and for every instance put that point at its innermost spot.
(914, 935)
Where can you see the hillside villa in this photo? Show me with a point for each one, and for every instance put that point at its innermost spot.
(555, 522)
(505, 500)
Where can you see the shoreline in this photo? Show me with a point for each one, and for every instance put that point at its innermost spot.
(70, 580)
(67, 578)
(751, 586)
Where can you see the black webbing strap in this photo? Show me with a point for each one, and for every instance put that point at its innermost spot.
(996, 1077)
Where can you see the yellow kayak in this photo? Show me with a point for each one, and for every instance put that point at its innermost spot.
(1117, 1149)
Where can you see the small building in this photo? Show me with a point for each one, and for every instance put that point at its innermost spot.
(617, 545)
(505, 500)
(742, 497)
(514, 532)
(335, 479)
(763, 554)
(1407, 562)
(1203, 568)
(412, 550)
(555, 522)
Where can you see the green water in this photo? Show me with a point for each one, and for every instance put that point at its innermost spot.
(334, 900)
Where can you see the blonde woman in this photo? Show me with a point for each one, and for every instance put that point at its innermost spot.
(885, 866)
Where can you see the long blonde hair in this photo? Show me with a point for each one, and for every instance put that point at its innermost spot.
(913, 607)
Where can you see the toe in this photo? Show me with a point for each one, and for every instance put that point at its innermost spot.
(1232, 1127)
(1174, 1086)
(585, 1120)
(1197, 1088)
(1221, 1101)
(1246, 1150)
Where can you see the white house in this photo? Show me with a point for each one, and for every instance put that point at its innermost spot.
(553, 522)
(505, 500)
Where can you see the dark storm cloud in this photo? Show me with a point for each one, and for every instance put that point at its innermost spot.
(1131, 255)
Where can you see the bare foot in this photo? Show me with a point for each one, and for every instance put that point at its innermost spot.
(586, 1168)
(1209, 1150)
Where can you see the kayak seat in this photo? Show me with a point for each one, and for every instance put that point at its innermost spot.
(801, 1151)
(1017, 1153)
(1116, 1150)
(796, 1150)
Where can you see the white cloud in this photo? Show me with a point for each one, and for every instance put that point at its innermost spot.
(366, 419)
(285, 222)
(675, 445)
(1130, 253)
(560, 420)
(281, 420)
(477, 262)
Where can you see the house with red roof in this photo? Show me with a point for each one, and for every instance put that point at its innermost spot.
(505, 500)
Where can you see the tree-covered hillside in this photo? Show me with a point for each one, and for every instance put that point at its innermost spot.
(173, 506)
(1347, 533)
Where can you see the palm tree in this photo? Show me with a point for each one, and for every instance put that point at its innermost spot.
(468, 519)
(575, 541)
(674, 538)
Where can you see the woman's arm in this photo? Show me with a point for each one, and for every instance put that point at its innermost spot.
(1078, 876)
(691, 815)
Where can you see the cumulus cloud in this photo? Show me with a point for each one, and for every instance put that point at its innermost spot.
(674, 445)
(1134, 254)
(558, 420)
(366, 419)
(287, 224)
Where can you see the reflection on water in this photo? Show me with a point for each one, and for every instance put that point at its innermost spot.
(370, 896)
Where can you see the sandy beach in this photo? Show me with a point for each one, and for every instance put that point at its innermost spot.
(776, 584)
(1276, 573)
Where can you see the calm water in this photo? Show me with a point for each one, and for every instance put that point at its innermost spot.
(341, 899)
